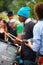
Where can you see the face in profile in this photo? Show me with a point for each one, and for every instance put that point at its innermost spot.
(21, 19)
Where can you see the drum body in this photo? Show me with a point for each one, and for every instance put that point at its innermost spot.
(7, 53)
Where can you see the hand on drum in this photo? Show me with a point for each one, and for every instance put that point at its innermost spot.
(17, 41)
(26, 42)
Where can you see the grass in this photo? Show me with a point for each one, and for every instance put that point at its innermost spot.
(6, 18)
(3, 16)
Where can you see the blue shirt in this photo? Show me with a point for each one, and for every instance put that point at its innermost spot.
(38, 37)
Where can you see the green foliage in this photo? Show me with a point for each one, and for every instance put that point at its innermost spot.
(5, 16)
(31, 5)
(15, 5)
(1, 5)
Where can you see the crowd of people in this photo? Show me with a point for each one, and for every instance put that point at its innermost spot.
(28, 34)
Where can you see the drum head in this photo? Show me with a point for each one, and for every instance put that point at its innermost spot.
(7, 53)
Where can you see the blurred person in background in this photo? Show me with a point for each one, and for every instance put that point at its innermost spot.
(13, 25)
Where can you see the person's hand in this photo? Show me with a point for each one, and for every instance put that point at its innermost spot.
(19, 50)
(17, 41)
(23, 41)
(28, 44)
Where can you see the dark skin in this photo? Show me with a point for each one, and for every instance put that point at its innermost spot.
(21, 19)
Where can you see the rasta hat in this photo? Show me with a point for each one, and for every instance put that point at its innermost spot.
(24, 11)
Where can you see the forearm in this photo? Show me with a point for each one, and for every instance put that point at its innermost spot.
(19, 51)
(30, 45)
(19, 36)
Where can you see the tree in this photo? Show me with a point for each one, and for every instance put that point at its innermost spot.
(15, 5)
(1, 5)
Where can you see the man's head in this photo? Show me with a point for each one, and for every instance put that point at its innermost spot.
(10, 15)
(24, 13)
(39, 10)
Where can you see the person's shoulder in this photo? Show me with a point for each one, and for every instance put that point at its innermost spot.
(20, 25)
(37, 26)
(28, 20)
